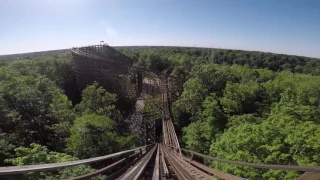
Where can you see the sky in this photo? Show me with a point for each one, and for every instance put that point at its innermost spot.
(279, 26)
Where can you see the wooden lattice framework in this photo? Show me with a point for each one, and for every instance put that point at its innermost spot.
(115, 72)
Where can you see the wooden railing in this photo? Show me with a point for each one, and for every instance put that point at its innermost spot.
(127, 158)
(311, 172)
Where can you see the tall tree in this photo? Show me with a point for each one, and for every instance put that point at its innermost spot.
(93, 135)
(96, 100)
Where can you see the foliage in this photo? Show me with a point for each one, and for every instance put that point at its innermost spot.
(289, 135)
(94, 135)
(37, 154)
(180, 73)
(240, 98)
(152, 61)
(96, 100)
(33, 106)
(199, 134)
(152, 108)
(268, 117)
(236, 120)
(254, 59)
(30, 110)
(253, 115)
(6, 147)
(203, 81)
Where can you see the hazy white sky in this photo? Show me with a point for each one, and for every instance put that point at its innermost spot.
(286, 26)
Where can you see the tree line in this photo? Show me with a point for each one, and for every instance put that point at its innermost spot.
(159, 58)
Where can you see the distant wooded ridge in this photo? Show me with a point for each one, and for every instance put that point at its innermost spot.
(43, 53)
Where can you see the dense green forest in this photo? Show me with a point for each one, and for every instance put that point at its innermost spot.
(245, 106)
(239, 105)
(44, 120)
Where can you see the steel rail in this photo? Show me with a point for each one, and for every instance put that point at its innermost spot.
(257, 165)
(52, 166)
(107, 168)
(186, 169)
(165, 134)
(212, 171)
(118, 173)
(168, 137)
(156, 168)
(172, 138)
(168, 133)
(178, 170)
(138, 169)
(145, 163)
(193, 170)
(163, 163)
(176, 142)
(171, 133)
(204, 170)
